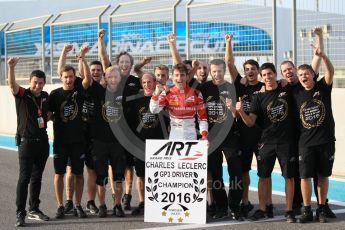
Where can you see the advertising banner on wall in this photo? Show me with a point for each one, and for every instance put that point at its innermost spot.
(175, 181)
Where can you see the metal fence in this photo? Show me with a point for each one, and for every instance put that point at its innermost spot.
(265, 30)
(25, 39)
(141, 28)
(77, 27)
(249, 21)
(330, 15)
(2, 51)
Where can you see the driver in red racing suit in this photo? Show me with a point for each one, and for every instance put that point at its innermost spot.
(182, 103)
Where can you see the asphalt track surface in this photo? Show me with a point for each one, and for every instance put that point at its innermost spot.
(9, 177)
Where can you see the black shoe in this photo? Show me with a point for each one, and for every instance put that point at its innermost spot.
(245, 209)
(80, 212)
(139, 210)
(37, 215)
(307, 216)
(237, 216)
(297, 210)
(220, 215)
(269, 211)
(329, 213)
(211, 209)
(321, 215)
(20, 219)
(91, 207)
(69, 207)
(258, 215)
(102, 211)
(290, 216)
(60, 213)
(126, 201)
(118, 211)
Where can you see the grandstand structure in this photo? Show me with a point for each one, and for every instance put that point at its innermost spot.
(262, 31)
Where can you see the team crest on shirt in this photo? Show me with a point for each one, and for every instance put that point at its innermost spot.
(217, 111)
(131, 84)
(312, 113)
(148, 120)
(69, 108)
(112, 111)
(277, 111)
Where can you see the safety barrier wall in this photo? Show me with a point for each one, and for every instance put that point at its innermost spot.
(266, 30)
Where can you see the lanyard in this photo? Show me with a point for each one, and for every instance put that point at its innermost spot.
(39, 108)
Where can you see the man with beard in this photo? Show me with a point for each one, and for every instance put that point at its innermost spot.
(202, 72)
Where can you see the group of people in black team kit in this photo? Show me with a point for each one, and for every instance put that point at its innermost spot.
(95, 115)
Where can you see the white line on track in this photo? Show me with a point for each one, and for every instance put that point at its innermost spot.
(7, 148)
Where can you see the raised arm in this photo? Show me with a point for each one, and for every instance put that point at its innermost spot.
(12, 62)
(138, 67)
(329, 69)
(229, 57)
(87, 74)
(102, 51)
(195, 66)
(62, 60)
(174, 52)
(81, 68)
(316, 62)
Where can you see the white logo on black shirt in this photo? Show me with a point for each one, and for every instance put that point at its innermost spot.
(69, 108)
(278, 111)
(312, 113)
(282, 94)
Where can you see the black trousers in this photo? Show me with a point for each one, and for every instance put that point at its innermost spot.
(234, 161)
(33, 155)
(215, 166)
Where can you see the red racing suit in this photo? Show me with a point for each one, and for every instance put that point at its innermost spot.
(182, 106)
